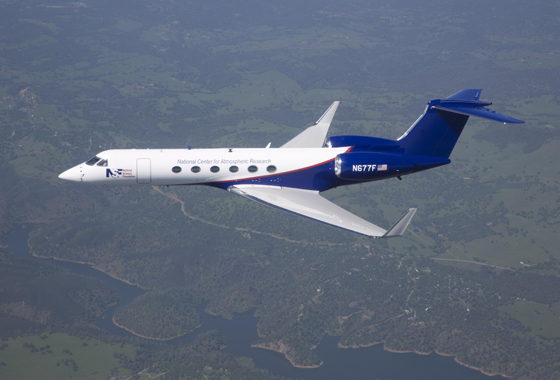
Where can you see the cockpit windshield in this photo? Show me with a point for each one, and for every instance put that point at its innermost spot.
(93, 161)
(102, 163)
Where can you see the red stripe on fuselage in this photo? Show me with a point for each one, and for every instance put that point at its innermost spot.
(278, 174)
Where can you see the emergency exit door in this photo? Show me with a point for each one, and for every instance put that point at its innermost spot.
(143, 170)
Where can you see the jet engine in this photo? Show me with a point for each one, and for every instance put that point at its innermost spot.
(372, 166)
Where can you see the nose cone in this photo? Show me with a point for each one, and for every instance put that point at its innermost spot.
(73, 175)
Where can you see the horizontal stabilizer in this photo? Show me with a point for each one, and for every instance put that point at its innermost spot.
(310, 204)
(467, 102)
(314, 136)
(469, 94)
(473, 110)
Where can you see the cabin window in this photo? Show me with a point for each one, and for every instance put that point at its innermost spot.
(176, 169)
(102, 163)
(271, 169)
(93, 161)
(233, 169)
(195, 169)
(252, 168)
(215, 169)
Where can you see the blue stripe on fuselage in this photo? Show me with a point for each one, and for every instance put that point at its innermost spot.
(319, 177)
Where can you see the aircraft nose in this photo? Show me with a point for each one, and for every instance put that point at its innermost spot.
(74, 174)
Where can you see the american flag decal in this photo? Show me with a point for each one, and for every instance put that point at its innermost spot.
(382, 167)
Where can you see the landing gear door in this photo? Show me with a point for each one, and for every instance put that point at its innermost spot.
(143, 170)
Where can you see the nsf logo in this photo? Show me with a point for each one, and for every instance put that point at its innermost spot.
(115, 173)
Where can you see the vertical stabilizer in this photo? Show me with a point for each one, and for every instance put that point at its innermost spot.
(436, 132)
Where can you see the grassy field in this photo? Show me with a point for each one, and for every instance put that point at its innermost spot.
(57, 355)
(247, 362)
(542, 320)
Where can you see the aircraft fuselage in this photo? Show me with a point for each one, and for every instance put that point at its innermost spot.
(311, 169)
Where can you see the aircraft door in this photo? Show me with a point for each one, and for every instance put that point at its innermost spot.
(143, 170)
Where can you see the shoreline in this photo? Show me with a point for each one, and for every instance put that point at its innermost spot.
(282, 349)
(116, 278)
(406, 351)
(339, 345)
(479, 369)
(151, 338)
(94, 266)
(424, 353)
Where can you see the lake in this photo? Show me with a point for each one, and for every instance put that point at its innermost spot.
(240, 332)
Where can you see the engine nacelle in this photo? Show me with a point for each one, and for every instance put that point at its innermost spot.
(371, 166)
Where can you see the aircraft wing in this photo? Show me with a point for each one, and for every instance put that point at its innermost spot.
(314, 136)
(310, 204)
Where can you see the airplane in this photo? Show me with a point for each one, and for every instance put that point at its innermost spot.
(292, 177)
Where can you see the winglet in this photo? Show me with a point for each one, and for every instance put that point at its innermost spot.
(314, 136)
(329, 114)
(398, 229)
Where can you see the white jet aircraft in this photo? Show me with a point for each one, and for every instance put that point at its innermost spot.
(291, 177)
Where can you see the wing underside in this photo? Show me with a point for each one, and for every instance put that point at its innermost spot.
(310, 204)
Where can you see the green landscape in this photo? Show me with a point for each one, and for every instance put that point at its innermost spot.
(58, 355)
(476, 276)
(161, 316)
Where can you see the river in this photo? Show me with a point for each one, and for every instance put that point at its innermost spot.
(240, 332)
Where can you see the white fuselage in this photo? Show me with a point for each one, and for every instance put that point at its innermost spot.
(179, 166)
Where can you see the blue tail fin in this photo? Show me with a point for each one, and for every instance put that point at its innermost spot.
(436, 132)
